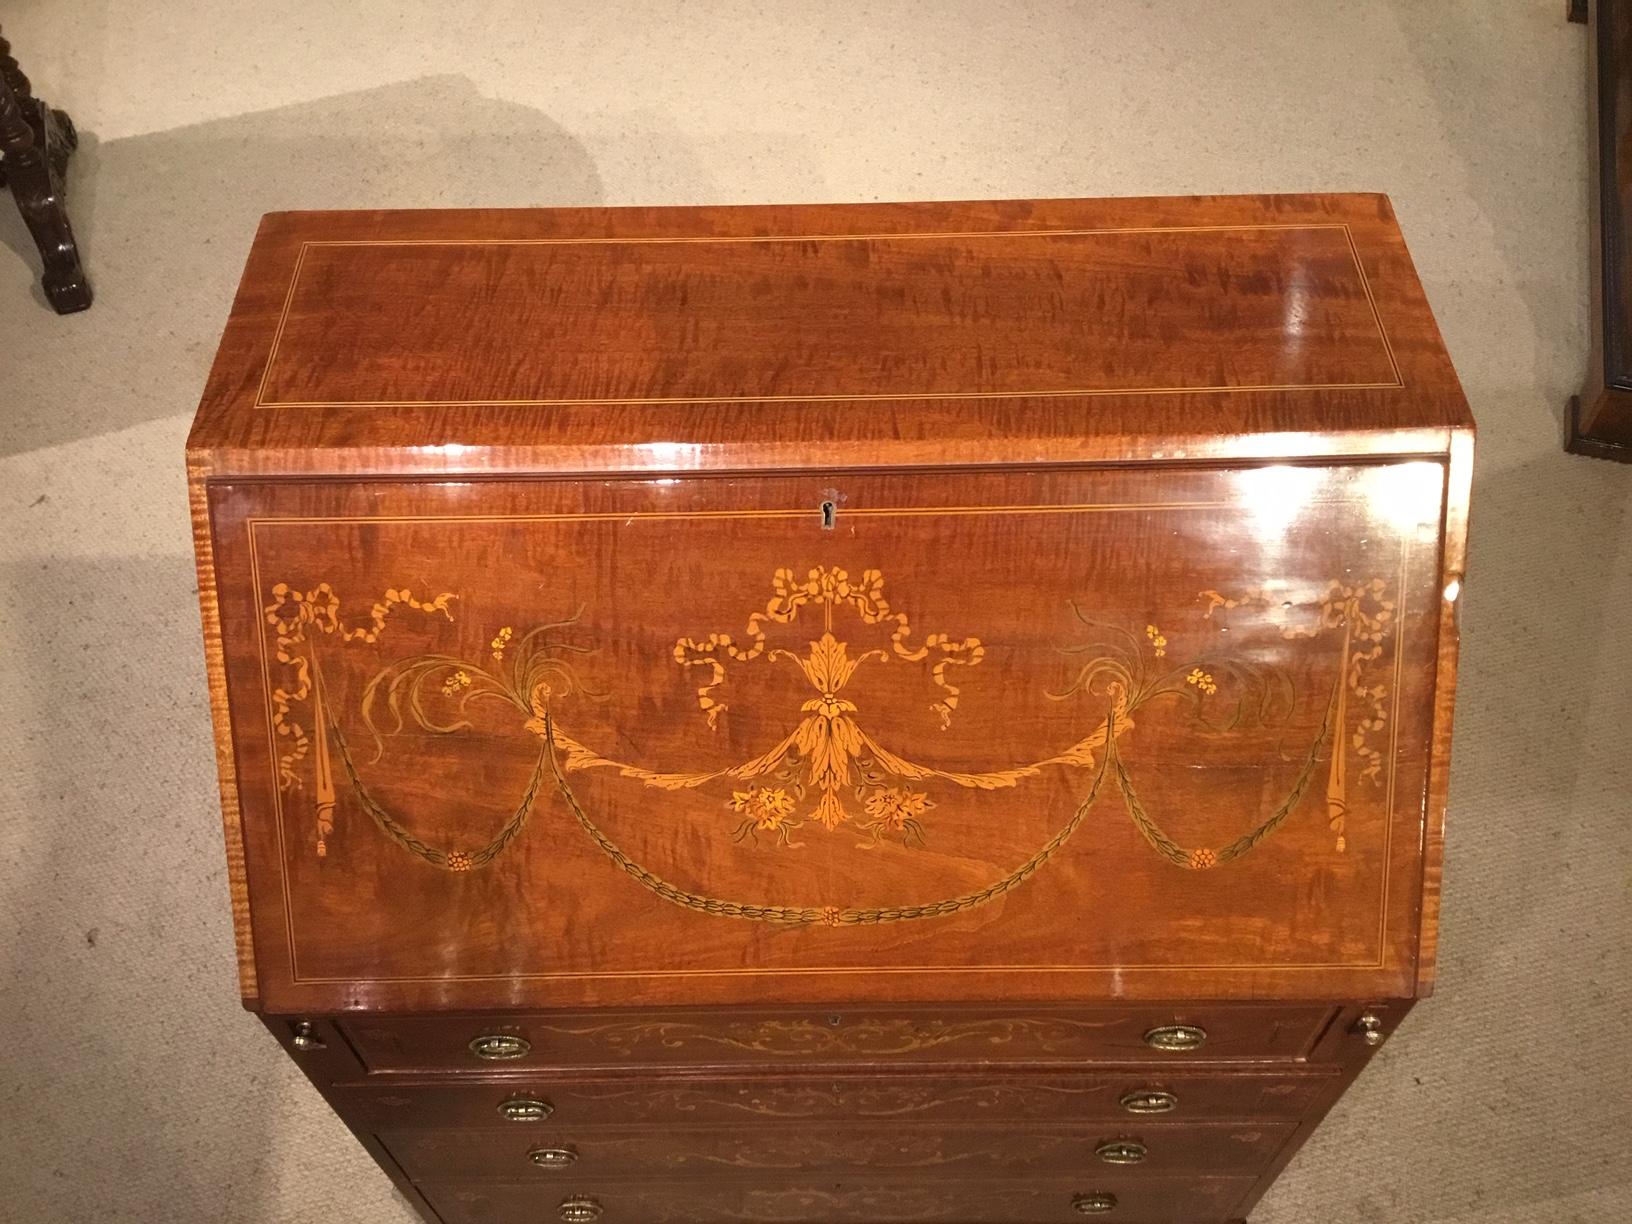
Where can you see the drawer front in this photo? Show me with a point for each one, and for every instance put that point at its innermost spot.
(505, 1103)
(825, 1201)
(688, 742)
(556, 1153)
(793, 1038)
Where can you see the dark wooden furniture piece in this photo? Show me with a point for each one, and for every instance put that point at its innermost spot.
(1600, 418)
(35, 144)
(892, 713)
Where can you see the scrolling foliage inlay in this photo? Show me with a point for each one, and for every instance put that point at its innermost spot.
(830, 769)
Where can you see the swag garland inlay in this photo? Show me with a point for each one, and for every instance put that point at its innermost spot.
(829, 758)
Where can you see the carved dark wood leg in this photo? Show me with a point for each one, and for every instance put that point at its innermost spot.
(35, 144)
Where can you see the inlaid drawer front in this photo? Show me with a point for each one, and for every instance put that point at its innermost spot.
(558, 1152)
(505, 1103)
(790, 1038)
(1117, 1197)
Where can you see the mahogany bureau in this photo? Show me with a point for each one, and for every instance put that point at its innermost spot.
(892, 713)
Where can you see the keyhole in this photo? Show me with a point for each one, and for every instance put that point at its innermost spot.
(830, 513)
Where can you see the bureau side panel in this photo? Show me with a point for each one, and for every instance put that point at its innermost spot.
(1453, 565)
(215, 673)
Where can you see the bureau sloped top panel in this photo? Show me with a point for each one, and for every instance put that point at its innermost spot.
(569, 340)
(1043, 735)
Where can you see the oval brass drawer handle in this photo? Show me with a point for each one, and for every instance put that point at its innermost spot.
(1121, 1151)
(1093, 1204)
(553, 1157)
(1176, 1037)
(580, 1210)
(1150, 1101)
(500, 1047)
(525, 1109)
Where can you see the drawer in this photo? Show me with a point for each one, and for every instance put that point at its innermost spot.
(556, 1153)
(805, 1037)
(1122, 1199)
(1160, 1093)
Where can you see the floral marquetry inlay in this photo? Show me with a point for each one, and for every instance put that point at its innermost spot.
(833, 768)
(863, 1098)
(813, 1038)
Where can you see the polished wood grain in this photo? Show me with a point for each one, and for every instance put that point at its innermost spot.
(1194, 1200)
(645, 862)
(920, 316)
(1257, 292)
(572, 1100)
(1452, 576)
(795, 1039)
(775, 700)
(215, 676)
(556, 1152)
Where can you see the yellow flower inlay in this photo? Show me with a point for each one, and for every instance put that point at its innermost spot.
(896, 811)
(831, 758)
(769, 809)
(498, 644)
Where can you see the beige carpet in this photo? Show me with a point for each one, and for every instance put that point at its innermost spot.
(131, 1085)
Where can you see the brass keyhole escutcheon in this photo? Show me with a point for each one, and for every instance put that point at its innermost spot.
(500, 1047)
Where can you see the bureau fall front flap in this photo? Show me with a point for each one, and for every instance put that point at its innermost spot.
(752, 738)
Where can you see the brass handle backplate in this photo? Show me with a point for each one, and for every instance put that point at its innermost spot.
(525, 1109)
(580, 1210)
(500, 1047)
(1176, 1037)
(1149, 1101)
(1120, 1151)
(1093, 1204)
(306, 1038)
(553, 1157)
